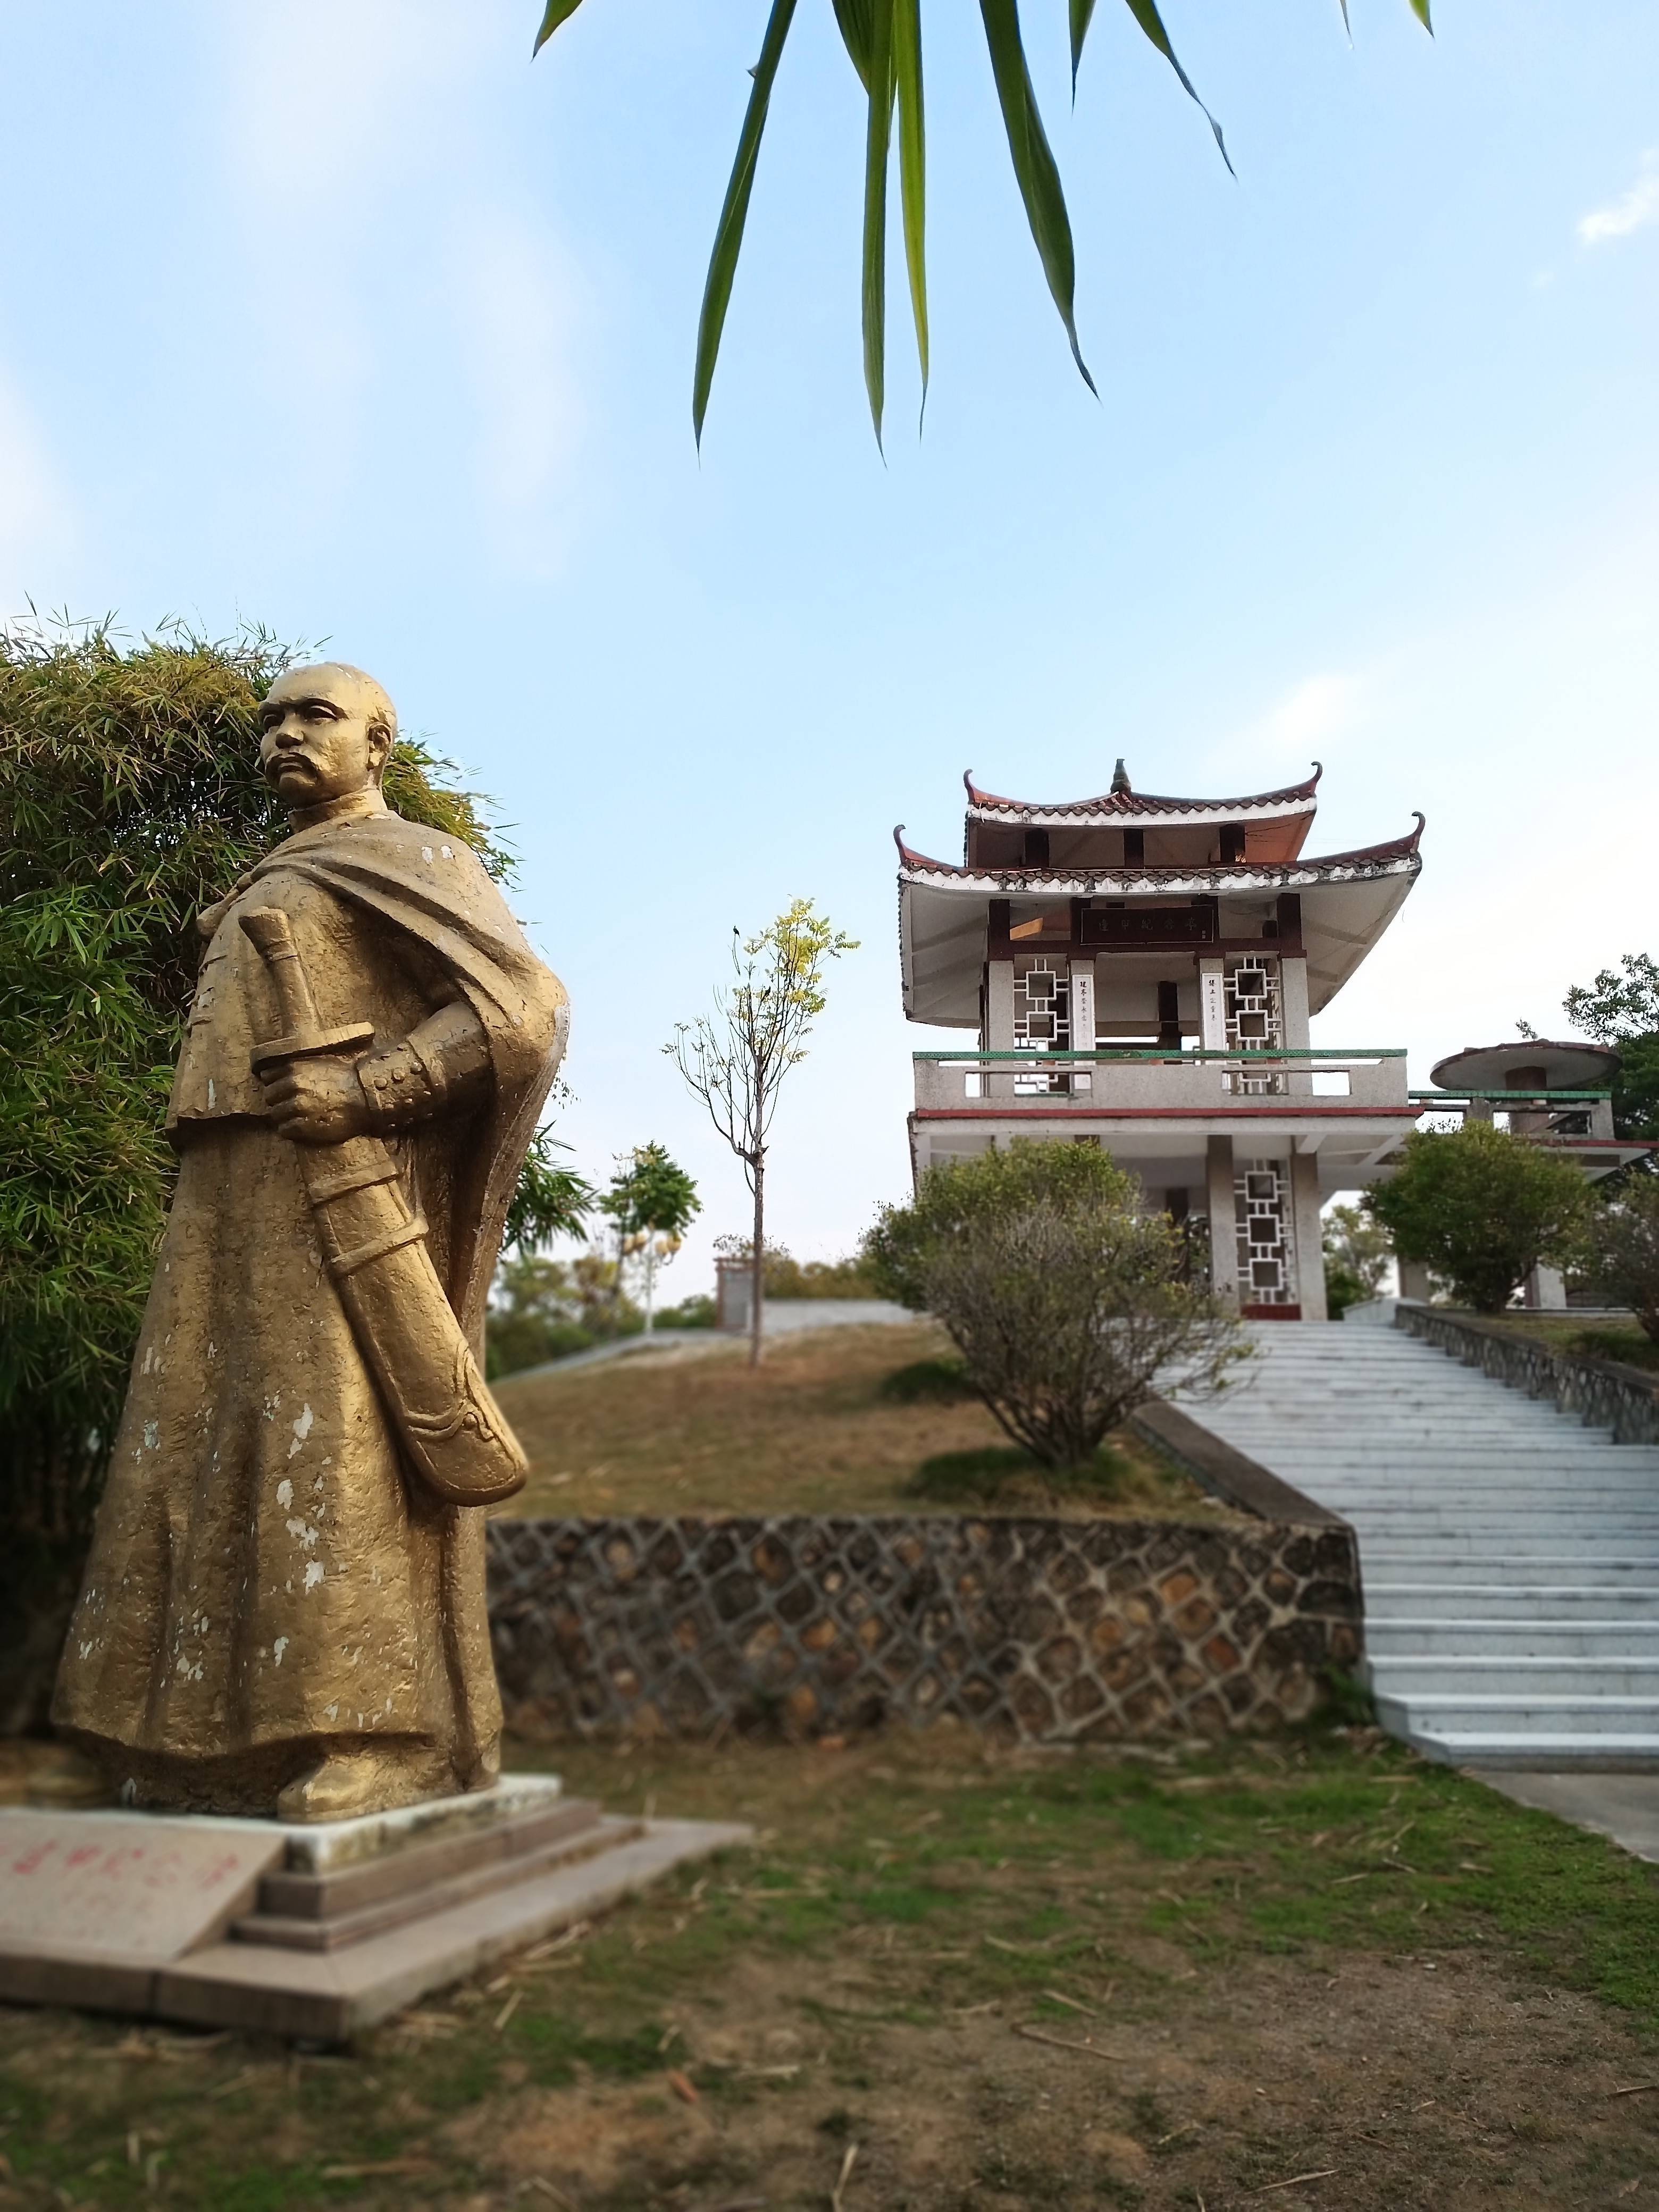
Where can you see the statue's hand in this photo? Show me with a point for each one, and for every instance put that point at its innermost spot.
(316, 1102)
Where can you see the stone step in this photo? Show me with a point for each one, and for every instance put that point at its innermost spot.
(420, 1897)
(1495, 1458)
(1527, 1713)
(1351, 1447)
(1396, 1562)
(1483, 1568)
(1548, 1750)
(1516, 1679)
(1529, 1600)
(1473, 1506)
(1510, 1552)
(1408, 1637)
(1466, 1540)
(1479, 1530)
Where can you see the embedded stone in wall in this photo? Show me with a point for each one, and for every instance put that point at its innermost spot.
(1044, 1629)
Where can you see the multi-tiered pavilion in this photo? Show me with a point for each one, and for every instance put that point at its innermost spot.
(1141, 972)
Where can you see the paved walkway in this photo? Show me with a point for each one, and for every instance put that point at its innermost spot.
(780, 1317)
(1623, 1806)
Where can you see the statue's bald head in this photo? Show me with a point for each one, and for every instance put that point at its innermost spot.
(326, 731)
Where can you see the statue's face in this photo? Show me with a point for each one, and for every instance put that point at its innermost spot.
(321, 737)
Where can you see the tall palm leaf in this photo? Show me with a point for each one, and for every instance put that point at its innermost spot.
(882, 39)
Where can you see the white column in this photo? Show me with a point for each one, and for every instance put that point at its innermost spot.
(1293, 1009)
(1000, 1006)
(1310, 1236)
(1223, 1206)
(1546, 1290)
(1211, 1005)
(1083, 1020)
(1293, 1001)
(998, 1025)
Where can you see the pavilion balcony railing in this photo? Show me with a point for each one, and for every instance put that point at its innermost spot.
(1154, 1078)
(1531, 1112)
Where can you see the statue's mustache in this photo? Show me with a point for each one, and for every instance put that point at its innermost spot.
(292, 757)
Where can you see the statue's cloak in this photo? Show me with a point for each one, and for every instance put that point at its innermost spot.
(265, 1572)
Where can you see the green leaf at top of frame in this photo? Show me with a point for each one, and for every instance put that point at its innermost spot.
(1418, 8)
(877, 148)
(734, 212)
(555, 12)
(1034, 168)
(1145, 14)
(913, 166)
(856, 24)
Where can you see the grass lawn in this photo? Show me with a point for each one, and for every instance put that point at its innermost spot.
(1605, 1340)
(816, 1428)
(952, 1979)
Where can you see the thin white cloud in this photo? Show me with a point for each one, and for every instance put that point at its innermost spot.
(1633, 211)
(330, 96)
(36, 525)
(335, 114)
(517, 303)
(1318, 707)
(1312, 715)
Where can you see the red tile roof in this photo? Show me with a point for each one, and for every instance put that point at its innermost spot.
(1123, 800)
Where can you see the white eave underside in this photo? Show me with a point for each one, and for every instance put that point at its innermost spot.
(1345, 907)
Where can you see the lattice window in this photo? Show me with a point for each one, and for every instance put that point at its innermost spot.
(1256, 1020)
(1042, 1017)
(1266, 1247)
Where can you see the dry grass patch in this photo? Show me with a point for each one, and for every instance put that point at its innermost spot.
(697, 1430)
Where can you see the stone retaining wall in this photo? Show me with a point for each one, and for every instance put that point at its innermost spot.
(1606, 1393)
(1048, 1630)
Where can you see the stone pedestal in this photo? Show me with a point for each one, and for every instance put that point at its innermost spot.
(312, 1932)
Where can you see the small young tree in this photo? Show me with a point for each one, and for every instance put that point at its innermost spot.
(1064, 1299)
(652, 1202)
(735, 1060)
(1357, 1255)
(1482, 1209)
(1622, 1249)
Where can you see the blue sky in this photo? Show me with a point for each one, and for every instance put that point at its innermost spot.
(338, 316)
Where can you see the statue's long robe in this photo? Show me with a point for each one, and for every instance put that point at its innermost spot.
(264, 1572)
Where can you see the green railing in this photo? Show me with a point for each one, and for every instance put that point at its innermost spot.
(1521, 1098)
(1169, 1054)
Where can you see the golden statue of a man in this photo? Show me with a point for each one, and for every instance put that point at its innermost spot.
(280, 1611)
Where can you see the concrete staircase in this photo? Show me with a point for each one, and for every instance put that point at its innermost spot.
(1509, 1555)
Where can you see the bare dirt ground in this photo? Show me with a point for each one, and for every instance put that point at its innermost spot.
(1308, 1974)
(812, 1429)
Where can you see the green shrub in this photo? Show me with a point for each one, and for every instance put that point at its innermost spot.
(926, 1382)
(996, 1472)
(1357, 1255)
(1482, 1209)
(543, 1310)
(1063, 1299)
(1622, 1247)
